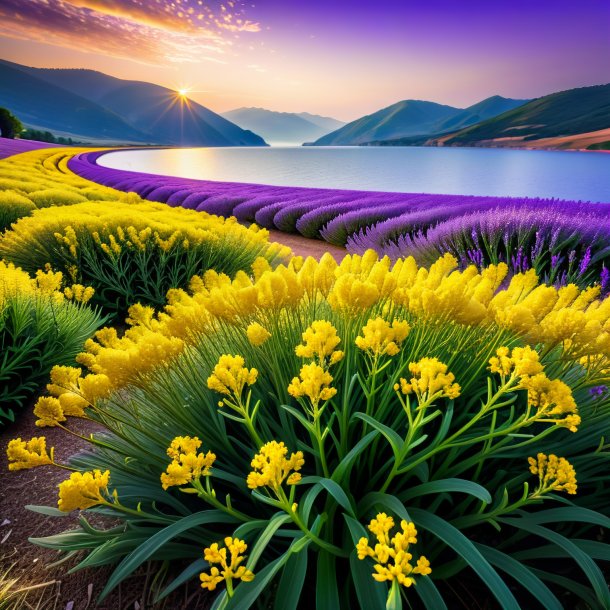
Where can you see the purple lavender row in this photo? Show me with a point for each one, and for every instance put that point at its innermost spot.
(9, 147)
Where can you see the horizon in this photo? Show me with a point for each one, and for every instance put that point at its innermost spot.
(268, 55)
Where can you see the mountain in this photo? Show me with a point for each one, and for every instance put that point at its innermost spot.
(44, 106)
(93, 105)
(567, 119)
(412, 119)
(283, 127)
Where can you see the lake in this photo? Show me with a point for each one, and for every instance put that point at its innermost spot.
(459, 171)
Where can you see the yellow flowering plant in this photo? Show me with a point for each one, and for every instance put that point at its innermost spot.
(371, 448)
(40, 326)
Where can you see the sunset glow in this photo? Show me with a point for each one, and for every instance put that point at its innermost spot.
(342, 59)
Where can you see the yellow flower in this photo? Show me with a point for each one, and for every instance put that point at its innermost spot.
(49, 412)
(553, 400)
(230, 376)
(314, 383)
(230, 567)
(271, 467)
(431, 379)
(28, 454)
(79, 293)
(257, 334)
(392, 557)
(554, 474)
(522, 361)
(187, 465)
(379, 338)
(319, 341)
(83, 490)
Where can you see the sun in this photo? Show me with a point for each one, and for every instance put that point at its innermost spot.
(183, 92)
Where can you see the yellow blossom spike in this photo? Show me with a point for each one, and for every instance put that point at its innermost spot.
(230, 558)
(187, 465)
(257, 334)
(314, 383)
(271, 467)
(230, 376)
(554, 474)
(28, 454)
(430, 379)
(379, 338)
(319, 341)
(393, 561)
(83, 490)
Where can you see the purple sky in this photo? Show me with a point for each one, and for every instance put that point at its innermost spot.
(331, 57)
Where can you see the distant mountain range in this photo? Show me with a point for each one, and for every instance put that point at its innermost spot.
(283, 127)
(576, 118)
(415, 118)
(95, 107)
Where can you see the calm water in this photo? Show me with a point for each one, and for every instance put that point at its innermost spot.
(460, 171)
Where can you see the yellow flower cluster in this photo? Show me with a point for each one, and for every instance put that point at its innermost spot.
(83, 490)
(230, 376)
(392, 557)
(28, 454)
(257, 334)
(554, 474)
(521, 361)
(551, 398)
(79, 293)
(187, 465)
(230, 568)
(379, 338)
(438, 293)
(430, 380)
(314, 383)
(319, 342)
(271, 467)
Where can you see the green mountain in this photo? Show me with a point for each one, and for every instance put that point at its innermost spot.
(567, 113)
(411, 119)
(44, 106)
(282, 127)
(96, 106)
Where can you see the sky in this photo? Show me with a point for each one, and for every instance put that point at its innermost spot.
(339, 58)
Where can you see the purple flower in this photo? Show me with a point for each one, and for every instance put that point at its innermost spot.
(604, 280)
(555, 260)
(584, 263)
(598, 391)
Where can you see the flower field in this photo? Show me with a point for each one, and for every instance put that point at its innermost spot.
(382, 431)
(564, 241)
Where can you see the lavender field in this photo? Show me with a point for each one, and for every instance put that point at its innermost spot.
(564, 241)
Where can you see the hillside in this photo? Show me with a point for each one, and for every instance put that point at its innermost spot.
(412, 119)
(283, 127)
(567, 115)
(45, 106)
(144, 112)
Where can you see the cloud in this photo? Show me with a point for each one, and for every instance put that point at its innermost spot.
(151, 32)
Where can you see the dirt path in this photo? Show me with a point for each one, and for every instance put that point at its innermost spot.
(304, 246)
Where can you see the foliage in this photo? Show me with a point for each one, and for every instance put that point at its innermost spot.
(12, 207)
(39, 328)
(387, 396)
(10, 125)
(133, 252)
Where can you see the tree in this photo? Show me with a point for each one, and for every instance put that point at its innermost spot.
(10, 125)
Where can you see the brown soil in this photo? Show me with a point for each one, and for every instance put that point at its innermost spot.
(29, 563)
(304, 246)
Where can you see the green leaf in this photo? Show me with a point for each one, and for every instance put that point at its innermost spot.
(336, 491)
(345, 465)
(50, 511)
(455, 540)
(448, 486)
(522, 574)
(568, 514)
(327, 594)
(291, 584)
(370, 593)
(196, 567)
(394, 599)
(388, 501)
(274, 524)
(396, 442)
(429, 594)
(586, 564)
(147, 549)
